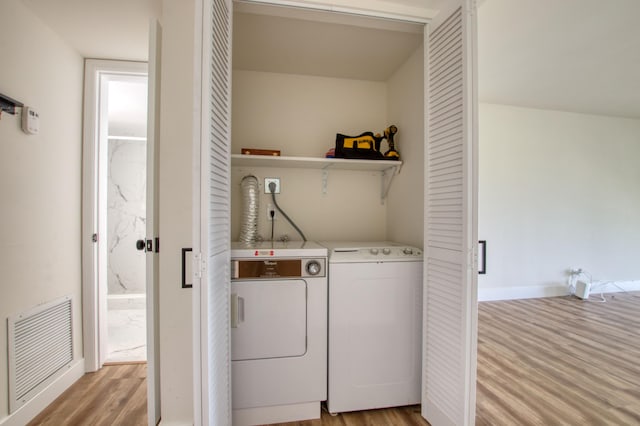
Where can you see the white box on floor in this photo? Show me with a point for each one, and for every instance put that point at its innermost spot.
(583, 289)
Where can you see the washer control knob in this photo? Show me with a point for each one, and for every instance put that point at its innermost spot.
(386, 250)
(408, 251)
(373, 251)
(313, 267)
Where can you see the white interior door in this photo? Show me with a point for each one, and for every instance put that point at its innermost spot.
(211, 284)
(152, 276)
(450, 291)
(90, 224)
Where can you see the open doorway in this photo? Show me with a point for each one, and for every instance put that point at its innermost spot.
(126, 117)
(129, 135)
(114, 212)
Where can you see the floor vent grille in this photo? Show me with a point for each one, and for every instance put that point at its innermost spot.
(40, 349)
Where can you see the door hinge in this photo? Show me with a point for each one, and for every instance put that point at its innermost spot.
(472, 258)
(199, 265)
(94, 238)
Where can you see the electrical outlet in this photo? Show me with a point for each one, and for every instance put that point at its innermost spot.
(271, 208)
(267, 181)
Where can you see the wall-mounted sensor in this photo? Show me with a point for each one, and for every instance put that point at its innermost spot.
(30, 121)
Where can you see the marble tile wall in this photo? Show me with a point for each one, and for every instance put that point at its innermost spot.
(126, 204)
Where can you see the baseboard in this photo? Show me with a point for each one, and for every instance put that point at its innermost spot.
(614, 286)
(512, 293)
(534, 292)
(38, 403)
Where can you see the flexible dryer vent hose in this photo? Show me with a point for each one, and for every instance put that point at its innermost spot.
(249, 226)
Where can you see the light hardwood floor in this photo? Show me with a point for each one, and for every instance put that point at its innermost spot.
(115, 395)
(554, 361)
(559, 361)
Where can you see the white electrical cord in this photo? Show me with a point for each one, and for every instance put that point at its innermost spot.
(576, 273)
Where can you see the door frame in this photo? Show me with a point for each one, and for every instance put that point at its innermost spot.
(201, 386)
(94, 283)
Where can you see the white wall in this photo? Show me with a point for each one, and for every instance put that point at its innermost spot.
(405, 211)
(300, 116)
(557, 190)
(350, 211)
(40, 175)
(176, 122)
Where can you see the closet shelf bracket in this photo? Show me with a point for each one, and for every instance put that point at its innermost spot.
(325, 180)
(386, 178)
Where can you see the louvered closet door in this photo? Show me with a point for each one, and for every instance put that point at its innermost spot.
(213, 399)
(450, 295)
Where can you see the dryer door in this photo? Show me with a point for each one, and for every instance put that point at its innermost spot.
(269, 319)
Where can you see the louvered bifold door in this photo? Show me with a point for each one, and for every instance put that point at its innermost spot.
(215, 161)
(450, 295)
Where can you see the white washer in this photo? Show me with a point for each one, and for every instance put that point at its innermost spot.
(375, 325)
(278, 331)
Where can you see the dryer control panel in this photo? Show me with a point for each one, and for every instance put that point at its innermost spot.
(277, 268)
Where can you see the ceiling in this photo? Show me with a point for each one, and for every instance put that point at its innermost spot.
(101, 29)
(571, 55)
(369, 49)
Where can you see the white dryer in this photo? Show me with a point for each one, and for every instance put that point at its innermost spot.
(278, 331)
(375, 325)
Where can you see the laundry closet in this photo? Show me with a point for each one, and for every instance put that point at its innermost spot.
(299, 78)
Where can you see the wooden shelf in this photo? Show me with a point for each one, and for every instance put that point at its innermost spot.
(387, 168)
(241, 160)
